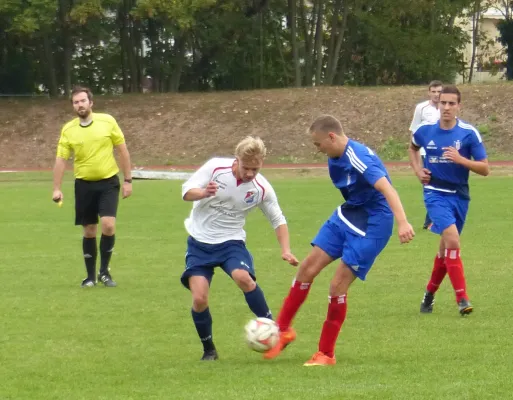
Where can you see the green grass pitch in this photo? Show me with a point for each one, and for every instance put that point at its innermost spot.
(137, 341)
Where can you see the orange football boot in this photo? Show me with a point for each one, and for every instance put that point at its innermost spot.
(321, 359)
(286, 338)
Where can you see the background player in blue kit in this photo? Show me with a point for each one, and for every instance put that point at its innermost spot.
(450, 145)
(356, 233)
(427, 111)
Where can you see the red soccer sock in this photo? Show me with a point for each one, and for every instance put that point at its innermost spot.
(455, 272)
(337, 310)
(297, 296)
(438, 274)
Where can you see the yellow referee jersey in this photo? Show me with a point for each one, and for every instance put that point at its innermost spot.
(92, 146)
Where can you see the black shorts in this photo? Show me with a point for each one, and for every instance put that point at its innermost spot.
(96, 198)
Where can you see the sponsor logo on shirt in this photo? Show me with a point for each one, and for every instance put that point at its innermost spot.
(431, 145)
(220, 183)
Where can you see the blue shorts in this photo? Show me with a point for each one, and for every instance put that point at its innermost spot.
(202, 258)
(445, 210)
(356, 251)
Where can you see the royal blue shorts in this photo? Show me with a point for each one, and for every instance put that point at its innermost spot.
(202, 258)
(445, 210)
(356, 251)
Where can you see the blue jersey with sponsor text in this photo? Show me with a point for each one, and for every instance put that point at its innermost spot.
(365, 210)
(446, 176)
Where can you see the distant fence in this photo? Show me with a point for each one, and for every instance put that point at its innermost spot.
(46, 95)
(481, 77)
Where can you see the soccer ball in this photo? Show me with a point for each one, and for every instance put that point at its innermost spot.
(262, 334)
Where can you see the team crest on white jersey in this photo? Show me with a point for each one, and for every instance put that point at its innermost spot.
(250, 196)
(457, 144)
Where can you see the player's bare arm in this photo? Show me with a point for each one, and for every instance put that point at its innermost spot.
(480, 167)
(282, 234)
(405, 230)
(201, 193)
(58, 174)
(126, 167)
(272, 211)
(422, 173)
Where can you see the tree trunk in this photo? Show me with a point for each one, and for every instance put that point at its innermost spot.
(308, 40)
(293, 38)
(261, 45)
(50, 66)
(476, 16)
(319, 33)
(178, 61)
(279, 46)
(153, 37)
(124, 42)
(333, 35)
(133, 59)
(338, 45)
(67, 43)
(128, 46)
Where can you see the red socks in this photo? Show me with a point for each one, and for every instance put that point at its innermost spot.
(455, 272)
(337, 310)
(297, 295)
(438, 274)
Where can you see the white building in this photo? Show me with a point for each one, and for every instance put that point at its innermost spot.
(490, 54)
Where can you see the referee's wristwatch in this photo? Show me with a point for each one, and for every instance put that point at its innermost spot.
(128, 180)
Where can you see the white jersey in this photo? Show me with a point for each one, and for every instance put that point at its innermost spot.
(220, 218)
(424, 112)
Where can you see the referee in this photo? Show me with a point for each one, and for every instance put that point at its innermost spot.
(91, 138)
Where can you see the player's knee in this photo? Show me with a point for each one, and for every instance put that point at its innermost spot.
(339, 285)
(453, 243)
(451, 238)
(243, 280)
(308, 270)
(90, 231)
(108, 226)
(199, 301)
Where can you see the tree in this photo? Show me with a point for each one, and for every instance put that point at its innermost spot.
(505, 28)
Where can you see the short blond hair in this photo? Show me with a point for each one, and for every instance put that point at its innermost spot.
(326, 124)
(250, 148)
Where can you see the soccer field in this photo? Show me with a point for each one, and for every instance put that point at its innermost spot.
(137, 341)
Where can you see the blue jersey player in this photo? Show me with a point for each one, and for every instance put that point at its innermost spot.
(356, 233)
(453, 148)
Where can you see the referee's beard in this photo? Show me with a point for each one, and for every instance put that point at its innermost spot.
(84, 114)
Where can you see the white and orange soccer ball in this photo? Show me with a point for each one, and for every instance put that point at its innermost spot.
(262, 334)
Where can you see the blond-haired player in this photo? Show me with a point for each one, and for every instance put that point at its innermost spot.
(224, 191)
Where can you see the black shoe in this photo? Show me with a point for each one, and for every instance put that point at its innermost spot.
(427, 222)
(465, 307)
(427, 303)
(107, 280)
(87, 282)
(209, 355)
